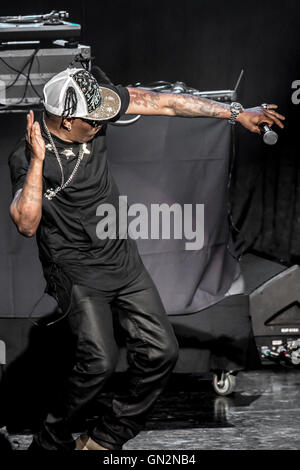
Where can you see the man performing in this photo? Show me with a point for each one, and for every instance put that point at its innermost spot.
(60, 176)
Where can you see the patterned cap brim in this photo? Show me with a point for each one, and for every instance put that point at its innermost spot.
(109, 108)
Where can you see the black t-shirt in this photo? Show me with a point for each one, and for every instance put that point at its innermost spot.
(67, 234)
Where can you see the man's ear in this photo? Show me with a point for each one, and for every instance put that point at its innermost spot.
(66, 123)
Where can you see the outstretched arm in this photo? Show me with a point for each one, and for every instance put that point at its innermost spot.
(167, 104)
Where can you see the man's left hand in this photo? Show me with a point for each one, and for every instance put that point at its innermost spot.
(253, 118)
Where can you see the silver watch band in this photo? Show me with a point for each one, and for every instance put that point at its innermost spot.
(235, 109)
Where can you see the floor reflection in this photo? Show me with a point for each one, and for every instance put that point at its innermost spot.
(262, 413)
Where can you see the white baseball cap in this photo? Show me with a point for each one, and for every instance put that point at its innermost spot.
(76, 93)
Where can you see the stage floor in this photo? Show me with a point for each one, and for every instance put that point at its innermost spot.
(262, 413)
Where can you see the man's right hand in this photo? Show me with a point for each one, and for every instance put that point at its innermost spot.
(34, 138)
(26, 208)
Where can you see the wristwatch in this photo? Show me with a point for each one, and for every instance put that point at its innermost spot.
(236, 109)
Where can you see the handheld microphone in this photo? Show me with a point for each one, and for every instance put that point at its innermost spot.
(269, 137)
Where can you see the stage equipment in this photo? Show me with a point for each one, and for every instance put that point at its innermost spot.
(32, 50)
(161, 86)
(24, 72)
(226, 96)
(274, 303)
(50, 26)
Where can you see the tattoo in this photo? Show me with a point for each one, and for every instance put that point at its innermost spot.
(190, 106)
(31, 193)
(149, 102)
(31, 198)
(145, 98)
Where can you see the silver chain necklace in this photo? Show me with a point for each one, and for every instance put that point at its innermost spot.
(51, 193)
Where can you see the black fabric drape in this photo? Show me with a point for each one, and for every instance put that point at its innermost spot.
(175, 160)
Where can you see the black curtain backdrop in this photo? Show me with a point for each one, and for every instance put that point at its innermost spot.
(205, 44)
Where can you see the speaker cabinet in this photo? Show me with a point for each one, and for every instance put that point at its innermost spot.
(274, 305)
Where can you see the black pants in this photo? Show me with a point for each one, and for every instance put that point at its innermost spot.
(152, 354)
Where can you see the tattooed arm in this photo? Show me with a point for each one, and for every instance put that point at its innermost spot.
(167, 104)
(26, 208)
(149, 102)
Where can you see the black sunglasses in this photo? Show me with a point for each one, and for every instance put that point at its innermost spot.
(91, 122)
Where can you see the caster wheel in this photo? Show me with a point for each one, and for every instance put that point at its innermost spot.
(224, 384)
